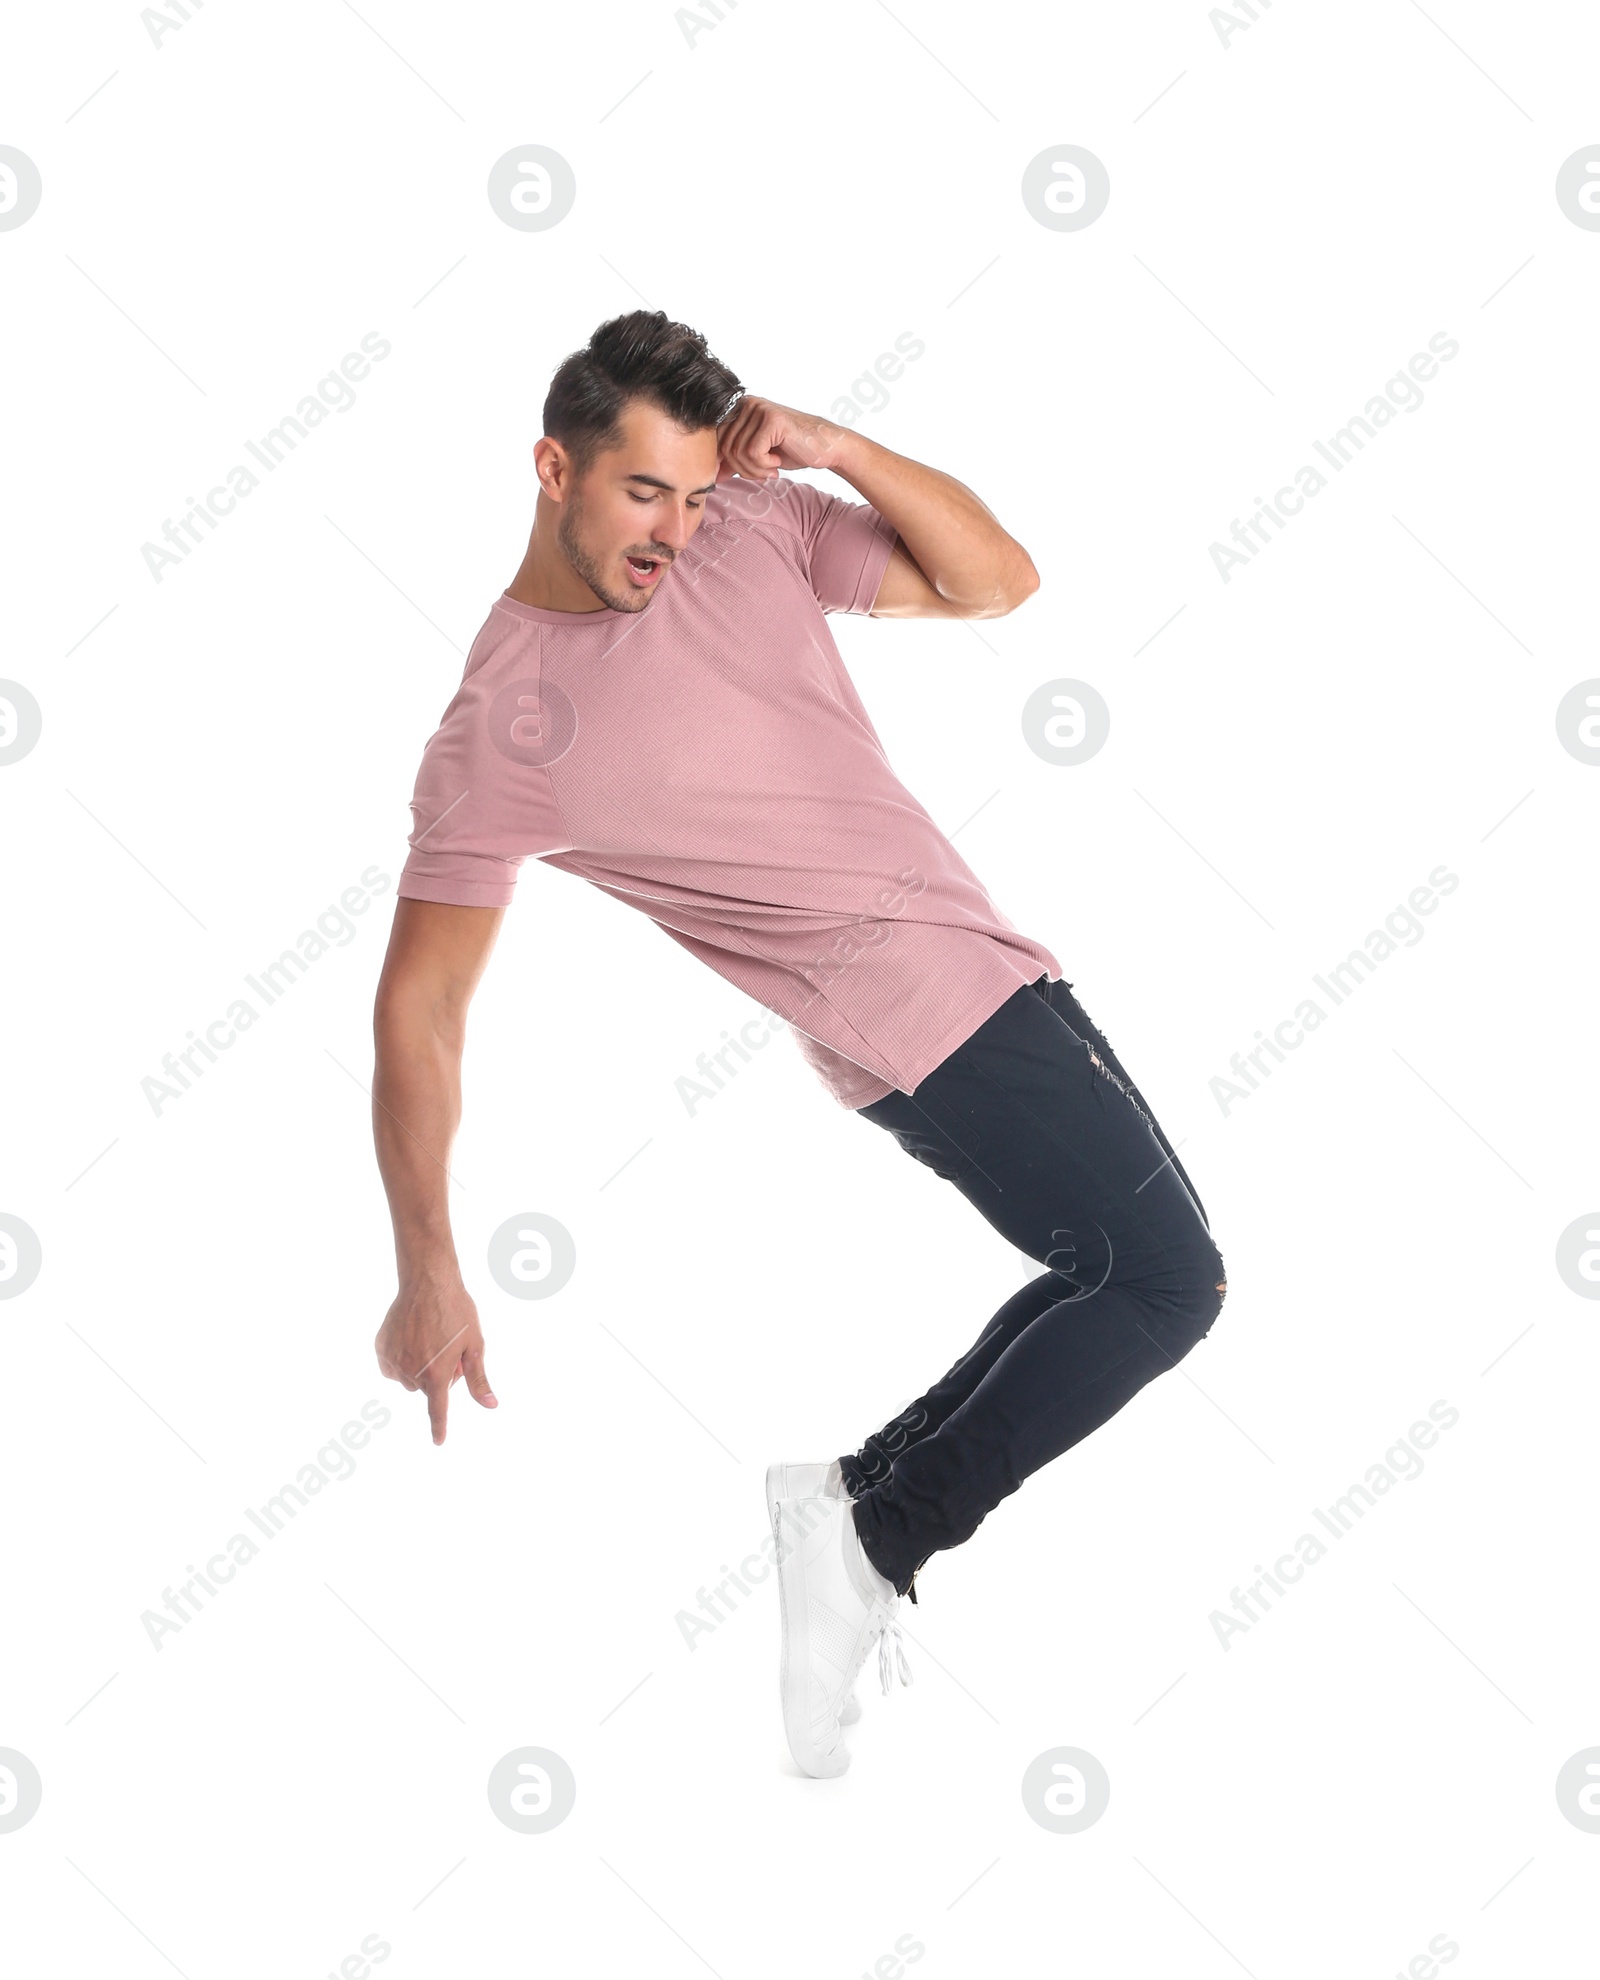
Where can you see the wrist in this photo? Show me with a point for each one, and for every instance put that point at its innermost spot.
(437, 1269)
(845, 450)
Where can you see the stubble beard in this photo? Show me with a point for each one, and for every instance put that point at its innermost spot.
(586, 566)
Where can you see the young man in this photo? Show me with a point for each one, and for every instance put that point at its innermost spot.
(656, 703)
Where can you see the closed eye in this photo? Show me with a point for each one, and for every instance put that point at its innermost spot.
(697, 506)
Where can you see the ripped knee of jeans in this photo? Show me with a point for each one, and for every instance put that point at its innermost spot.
(1208, 1305)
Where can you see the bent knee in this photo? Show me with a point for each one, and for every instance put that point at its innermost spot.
(1205, 1289)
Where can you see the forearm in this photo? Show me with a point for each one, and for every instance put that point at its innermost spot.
(954, 539)
(416, 1109)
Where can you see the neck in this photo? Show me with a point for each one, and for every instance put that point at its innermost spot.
(545, 578)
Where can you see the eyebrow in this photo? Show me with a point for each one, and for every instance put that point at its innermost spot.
(655, 481)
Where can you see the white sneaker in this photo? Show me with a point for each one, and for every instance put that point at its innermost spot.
(804, 1481)
(808, 1481)
(834, 1606)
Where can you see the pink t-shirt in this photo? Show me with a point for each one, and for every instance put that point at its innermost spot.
(708, 761)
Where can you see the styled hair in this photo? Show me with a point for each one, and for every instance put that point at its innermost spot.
(642, 355)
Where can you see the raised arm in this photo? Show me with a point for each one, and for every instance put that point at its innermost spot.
(952, 559)
(430, 1335)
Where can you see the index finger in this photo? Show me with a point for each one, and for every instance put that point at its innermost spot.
(437, 1384)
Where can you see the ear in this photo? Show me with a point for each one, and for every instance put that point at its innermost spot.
(553, 465)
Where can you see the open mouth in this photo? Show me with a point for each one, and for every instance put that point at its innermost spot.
(645, 571)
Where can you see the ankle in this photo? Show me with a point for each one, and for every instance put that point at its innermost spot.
(872, 1585)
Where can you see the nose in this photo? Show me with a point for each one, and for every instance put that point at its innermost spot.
(673, 532)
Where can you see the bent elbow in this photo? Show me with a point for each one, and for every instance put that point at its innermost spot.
(1025, 583)
(1014, 588)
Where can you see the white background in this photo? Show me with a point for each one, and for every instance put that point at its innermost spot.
(1293, 215)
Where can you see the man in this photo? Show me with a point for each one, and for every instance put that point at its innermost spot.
(656, 704)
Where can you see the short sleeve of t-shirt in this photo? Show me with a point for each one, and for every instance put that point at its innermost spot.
(480, 809)
(846, 545)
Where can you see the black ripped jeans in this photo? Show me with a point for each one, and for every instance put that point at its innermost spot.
(1036, 1123)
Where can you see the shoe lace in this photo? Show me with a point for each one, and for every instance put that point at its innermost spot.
(904, 1669)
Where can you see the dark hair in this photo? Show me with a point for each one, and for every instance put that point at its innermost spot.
(639, 356)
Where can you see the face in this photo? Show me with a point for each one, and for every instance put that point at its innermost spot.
(621, 527)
